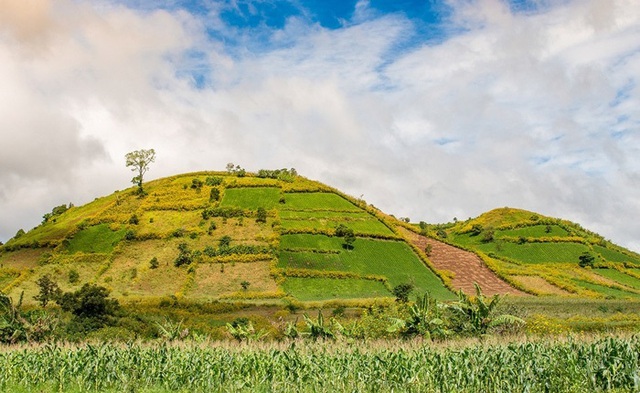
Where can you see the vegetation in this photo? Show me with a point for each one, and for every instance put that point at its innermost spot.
(139, 161)
(608, 364)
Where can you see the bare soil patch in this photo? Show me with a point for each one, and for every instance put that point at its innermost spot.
(467, 267)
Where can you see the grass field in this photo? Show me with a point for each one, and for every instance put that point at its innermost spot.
(537, 252)
(615, 256)
(317, 201)
(251, 198)
(392, 259)
(609, 292)
(95, 239)
(534, 231)
(620, 277)
(363, 226)
(307, 289)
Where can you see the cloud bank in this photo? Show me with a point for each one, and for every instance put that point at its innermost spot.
(536, 108)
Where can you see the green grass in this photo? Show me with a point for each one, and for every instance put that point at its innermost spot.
(325, 214)
(393, 259)
(317, 201)
(362, 226)
(615, 256)
(534, 231)
(606, 291)
(95, 239)
(251, 198)
(536, 252)
(620, 277)
(307, 289)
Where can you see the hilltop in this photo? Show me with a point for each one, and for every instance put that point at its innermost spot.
(276, 236)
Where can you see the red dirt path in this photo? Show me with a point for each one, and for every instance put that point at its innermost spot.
(466, 266)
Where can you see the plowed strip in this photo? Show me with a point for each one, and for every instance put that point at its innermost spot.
(466, 266)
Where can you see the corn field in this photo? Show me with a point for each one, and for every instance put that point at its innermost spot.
(604, 364)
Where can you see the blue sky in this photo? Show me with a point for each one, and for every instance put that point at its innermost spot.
(430, 109)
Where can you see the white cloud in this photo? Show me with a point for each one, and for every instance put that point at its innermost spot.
(531, 110)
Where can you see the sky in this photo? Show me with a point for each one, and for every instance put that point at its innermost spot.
(427, 109)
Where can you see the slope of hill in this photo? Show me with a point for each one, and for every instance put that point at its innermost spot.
(543, 255)
(214, 235)
(275, 236)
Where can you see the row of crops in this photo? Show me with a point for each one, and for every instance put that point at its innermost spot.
(317, 265)
(611, 364)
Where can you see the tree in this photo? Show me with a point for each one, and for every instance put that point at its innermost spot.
(402, 292)
(90, 301)
(139, 160)
(48, 290)
(261, 215)
(586, 259)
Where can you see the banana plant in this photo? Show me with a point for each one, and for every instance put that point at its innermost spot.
(475, 315)
(426, 319)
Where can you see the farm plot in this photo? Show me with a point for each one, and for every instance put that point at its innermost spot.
(537, 252)
(535, 231)
(95, 239)
(620, 277)
(615, 256)
(251, 197)
(392, 259)
(316, 288)
(317, 201)
(361, 226)
(606, 291)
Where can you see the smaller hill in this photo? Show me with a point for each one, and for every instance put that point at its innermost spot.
(543, 255)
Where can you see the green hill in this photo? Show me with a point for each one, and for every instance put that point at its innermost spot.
(273, 237)
(205, 236)
(542, 255)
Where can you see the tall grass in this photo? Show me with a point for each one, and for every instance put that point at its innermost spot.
(607, 364)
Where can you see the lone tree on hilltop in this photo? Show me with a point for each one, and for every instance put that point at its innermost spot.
(139, 160)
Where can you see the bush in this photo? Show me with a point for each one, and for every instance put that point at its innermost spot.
(134, 220)
(213, 181)
(74, 276)
(261, 215)
(153, 263)
(402, 292)
(586, 259)
(214, 195)
(90, 301)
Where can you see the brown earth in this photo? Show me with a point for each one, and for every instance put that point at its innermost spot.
(467, 267)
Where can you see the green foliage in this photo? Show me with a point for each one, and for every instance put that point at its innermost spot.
(426, 319)
(55, 212)
(245, 285)
(225, 241)
(48, 290)
(139, 161)
(475, 315)
(235, 170)
(402, 292)
(242, 329)
(19, 234)
(185, 255)
(196, 184)
(287, 175)
(74, 276)
(317, 327)
(153, 263)
(226, 212)
(214, 194)
(17, 325)
(261, 215)
(134, 220)
(213, 181)
(586, 259)
(172, 331)
(91, 301)
(307, 289)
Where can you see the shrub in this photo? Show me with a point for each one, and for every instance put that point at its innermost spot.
(214, 195)
(90, 301)
(196, 184)
(402, 292)
(586, 259)
(153, 263)
(213, 181)
(74, 276)
(134, 220)
(185, 255)
(261, 215)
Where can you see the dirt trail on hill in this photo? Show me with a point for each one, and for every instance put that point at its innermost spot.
(467, 267)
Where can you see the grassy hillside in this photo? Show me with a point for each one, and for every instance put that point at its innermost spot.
(214, 235)
(542, 255)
